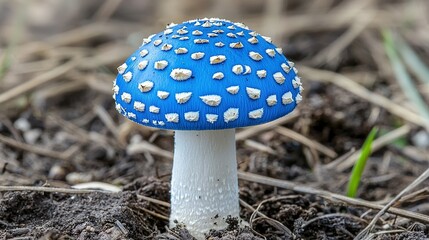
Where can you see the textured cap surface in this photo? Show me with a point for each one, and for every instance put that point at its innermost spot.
(206, 74)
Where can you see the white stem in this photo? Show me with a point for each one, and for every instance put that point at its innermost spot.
(204, 185)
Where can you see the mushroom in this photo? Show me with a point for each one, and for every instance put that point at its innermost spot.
(204, 78)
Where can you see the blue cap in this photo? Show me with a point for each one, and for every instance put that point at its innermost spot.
(206, 74)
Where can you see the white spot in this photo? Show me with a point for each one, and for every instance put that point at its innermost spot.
(180, 74)
(211, 118)
(145, 86)
(241, 34)
(296, 82)
(211, 34)
(298, 98)
(255, 56)
(197, 23)
(162, 94)
(131, 115)
(197, 33)
(211, 100)
(172, 117)
(219, 44)
(272, 100)
(183, 97)
(261, 73)
(237, 69)
(206, 24)
(217, 59)
(279, 78)
(153, 109)
(182, 31)
(146, 41)
(175, 36)
(230, 115)
(118, 107)
(145, 120)
(218, 31)
(217, 24)
(161, 123)
(166, 47)
(154, 122)
(122, 68)
(201, 41)
(127, 76)
(170, 25)
(291, 64)
(253, 93)
(184, 38)
(287, 98)
(181, 51)
(197, 55)
(255, 114)
(133, 58)
(285, 67)
(253, 34)
(236, 45)
(231, 27)
(157, 42)
(279, 50)
(233, 89)
(126, 97)
(115, 89)
(160, 65)
(143, 53)
(268, 39)
(271, 52)
(253, 40)
(218, 75)
(239, 24)
(247, 70)
(192, 116)
(295, 70)
(139, 106)
(142, 65)
(301, 89)
(231, 35)
(168, 31)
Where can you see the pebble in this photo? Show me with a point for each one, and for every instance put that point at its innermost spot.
(75, 178)
(31, 136)
(57, 173)
(22, 124)
(421, 139)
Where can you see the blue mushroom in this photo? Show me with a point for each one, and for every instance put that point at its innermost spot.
(197, 77)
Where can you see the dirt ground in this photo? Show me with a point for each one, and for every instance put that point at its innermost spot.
(59, 126)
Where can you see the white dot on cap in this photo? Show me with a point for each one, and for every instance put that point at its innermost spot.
(211, 100)
(183, 97)
(192, 116)
(172, 117)
(287, 98)
(230, 115)
(180, 74)
(279, 78)
(126, 97)
(255, 114)
(160, 65)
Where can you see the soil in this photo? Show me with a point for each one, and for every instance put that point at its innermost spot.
(68, 118)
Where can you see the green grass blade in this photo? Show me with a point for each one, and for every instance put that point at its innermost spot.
(359, 166)
(402, 76)
(412, 60)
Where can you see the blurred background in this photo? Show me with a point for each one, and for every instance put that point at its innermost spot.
(364, 64)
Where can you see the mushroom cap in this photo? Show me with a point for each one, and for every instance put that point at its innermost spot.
(206, 74)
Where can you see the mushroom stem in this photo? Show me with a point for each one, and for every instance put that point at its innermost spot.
(204, 186)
